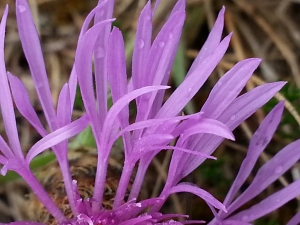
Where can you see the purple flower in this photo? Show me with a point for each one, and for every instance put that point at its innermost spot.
(157, 123)
(59, 121)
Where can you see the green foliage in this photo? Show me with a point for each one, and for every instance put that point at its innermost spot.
(212, 173)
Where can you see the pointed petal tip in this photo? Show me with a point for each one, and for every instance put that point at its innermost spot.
(232, 138)
(281, 83)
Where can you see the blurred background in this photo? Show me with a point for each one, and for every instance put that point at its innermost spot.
(268, 29)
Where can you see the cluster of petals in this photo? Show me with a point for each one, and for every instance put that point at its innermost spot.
(100, 70)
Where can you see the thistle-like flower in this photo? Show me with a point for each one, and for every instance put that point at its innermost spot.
(157, 123)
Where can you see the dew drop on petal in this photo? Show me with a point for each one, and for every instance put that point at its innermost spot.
(21, 8)
(190, 89)
(3, 170)
(141, 43)
(232, 117)
(219, 83)
(171, 35)
(161, 44)
(278, 169)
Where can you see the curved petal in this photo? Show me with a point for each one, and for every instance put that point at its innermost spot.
(191, 188)
(57, 136)
(24, 105)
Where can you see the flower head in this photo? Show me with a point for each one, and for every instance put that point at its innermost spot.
(157, 123)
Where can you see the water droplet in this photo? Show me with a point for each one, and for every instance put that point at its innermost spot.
(278, 169)
(219, 83)
(262, 141)
(245, 218)
(190, 89)
(141, 43)
(100, 53)
(21, 8)
(171, 35)
(161, 44)
(232, 117)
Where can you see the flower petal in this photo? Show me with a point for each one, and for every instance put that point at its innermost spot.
(33, 52)
(235, 114)
(269, 172)
(100, 59)
(142, 46)
(191, 188)
(22, 101)
(228, 87)
(295, 220)
(57, 136)
(269, 204)
(190, 86)
(7, 108)
(211, 43)
(259, 141)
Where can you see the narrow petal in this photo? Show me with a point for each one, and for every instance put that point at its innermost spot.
(269, 172)
(190, 86)
(295, 220)
(105, 137)
(33, 52)
(119, 105)
(57, 136)
(179, 6)
(247, 104)
(191, 188)
(258, 143)
(238, 111)
(22, 101)
(229, 87)
(269, 204)
(64, 113)
(73, 77)
(208, 126)
(142, 46)
(100, 59)
(211, 43)
(117, 76)
(4, 148)
(159, 65)
(84, 70)
(7, 108)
